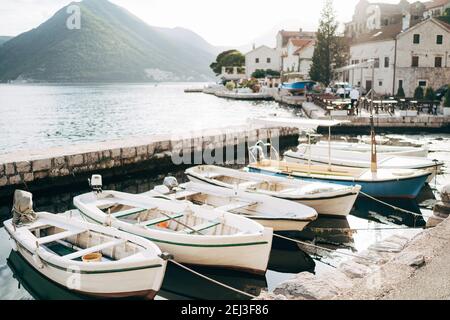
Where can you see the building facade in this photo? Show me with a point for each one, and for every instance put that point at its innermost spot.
(406, 56)
(369, 16)
(263, 58)
(293, 53)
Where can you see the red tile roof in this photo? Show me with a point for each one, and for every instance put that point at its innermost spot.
(301, 44)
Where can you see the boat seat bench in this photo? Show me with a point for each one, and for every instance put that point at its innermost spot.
(186, 193)
(236, 206)
(200, 227)
(128, 212)
(160, 220)
(97, 248)
(59, 236)
(249, 184)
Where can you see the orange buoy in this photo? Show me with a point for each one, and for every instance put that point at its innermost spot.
(163, 225)
(92, 257)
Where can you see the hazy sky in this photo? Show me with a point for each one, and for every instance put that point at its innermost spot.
(224, 22)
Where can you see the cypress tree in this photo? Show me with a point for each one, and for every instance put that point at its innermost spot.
(330, 49)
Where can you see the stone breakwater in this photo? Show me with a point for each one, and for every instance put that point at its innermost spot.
(379, 270)
(123, 156)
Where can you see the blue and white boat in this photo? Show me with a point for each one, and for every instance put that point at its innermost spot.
(385, 183)
(299, 86)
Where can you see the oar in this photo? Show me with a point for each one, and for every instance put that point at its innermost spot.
(182, 224)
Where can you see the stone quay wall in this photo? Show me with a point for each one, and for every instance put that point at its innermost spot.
(144, 153)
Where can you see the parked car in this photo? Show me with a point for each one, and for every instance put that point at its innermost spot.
(441, 92)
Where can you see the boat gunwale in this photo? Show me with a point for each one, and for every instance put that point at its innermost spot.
(350, 191)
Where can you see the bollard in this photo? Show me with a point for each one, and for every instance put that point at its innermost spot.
(441, 209)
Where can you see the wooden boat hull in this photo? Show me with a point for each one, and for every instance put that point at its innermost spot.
(143, 279)
(350, 160)
(407, 188)
(247, 252)
(271, 212)
(337, 204)
(382, 150)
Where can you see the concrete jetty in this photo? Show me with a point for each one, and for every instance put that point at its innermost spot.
(244, 96)
(403, 266)
(58, 166)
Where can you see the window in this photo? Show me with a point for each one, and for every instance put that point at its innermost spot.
(415, 61)
(380, 83)
(268, 60)
(439, 39)
(438, 62)
(416, 39)
(386, 62)
(257, 60)
(356, 61)
(377, 63)
(422, 83)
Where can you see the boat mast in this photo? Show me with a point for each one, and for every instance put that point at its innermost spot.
(373, 160)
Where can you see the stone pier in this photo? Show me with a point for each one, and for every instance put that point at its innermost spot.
(71, 164)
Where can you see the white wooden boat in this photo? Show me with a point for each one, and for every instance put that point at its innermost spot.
(60, 248)
(191, 233)
(385, 183)
(327, 199)
(278, 214)
(382, 150)
(320, 154)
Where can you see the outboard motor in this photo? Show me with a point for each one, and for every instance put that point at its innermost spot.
(170, 182)
(168, 185)
(96, 183)
(22, 210)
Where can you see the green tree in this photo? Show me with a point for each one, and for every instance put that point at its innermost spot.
(429, 94)
(229, 58)
(260, 73)
(418, 93)
(447, 98)
(329, 47)
(400, 92)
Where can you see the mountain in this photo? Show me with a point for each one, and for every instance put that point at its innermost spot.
(3, 39)
(112, 45)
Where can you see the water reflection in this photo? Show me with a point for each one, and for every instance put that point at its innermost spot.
(179, 283)
(287, 258)
(372, 210)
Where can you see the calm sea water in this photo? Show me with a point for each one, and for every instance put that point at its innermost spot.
(38, 115)
(44, 115)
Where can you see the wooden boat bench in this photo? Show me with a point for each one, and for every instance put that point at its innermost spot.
(129, 212)
(200, 227)
(186, 194)
(59, 236)
(248, 185)
(236, 206)
(156, 221)
(97, 248)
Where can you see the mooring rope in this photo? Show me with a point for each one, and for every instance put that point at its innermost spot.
(350, 230)
(323, 248)
(394, 207)
(212, 280)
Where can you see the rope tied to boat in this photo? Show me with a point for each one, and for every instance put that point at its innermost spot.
(394, 207)
(323, 248)
(169, 258)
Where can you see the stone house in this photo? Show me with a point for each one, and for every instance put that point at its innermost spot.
(298, 56)
(370, 16)
(436, 8)
(263, 58)
(405, 55)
